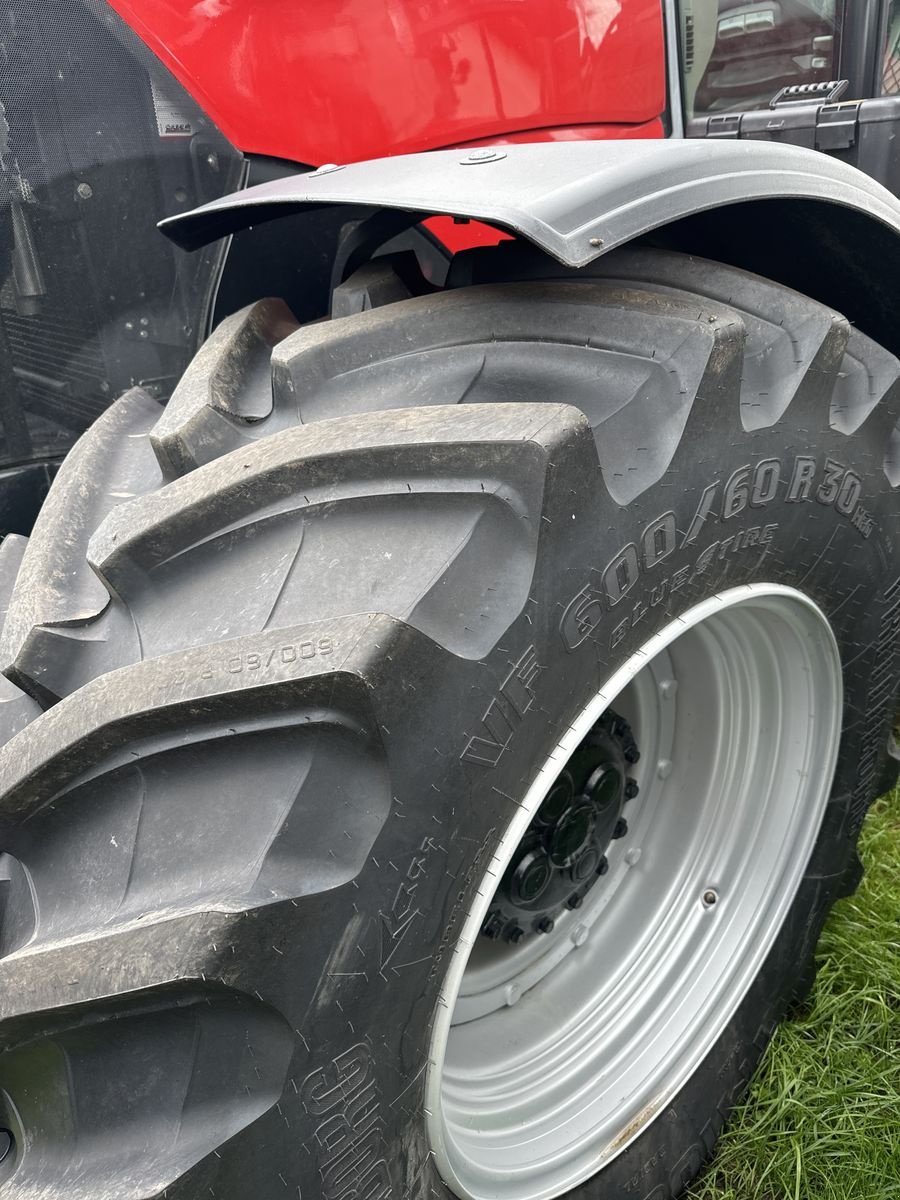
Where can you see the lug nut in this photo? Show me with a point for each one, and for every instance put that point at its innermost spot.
(631, 789)
(515, 935)
(574, 901)
(621, 828)
(603, 866)
(493, 926)
(632, 755)
(545, 925)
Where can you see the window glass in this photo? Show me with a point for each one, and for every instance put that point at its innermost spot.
(890, 75)
(737, 55)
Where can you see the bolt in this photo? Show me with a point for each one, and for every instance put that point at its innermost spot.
(129, 325)
(596, 241)
(145, 320)
(7, 1144)
(631, 789)
(493, 926)
(144, 333)
(84, 191)
(710, 897)
(574, 901)
(621, 828)
(711, 319)
(485, 155)
(580, 935)
(632, 755)
(545, 925)
(603, 865)
(515, 935)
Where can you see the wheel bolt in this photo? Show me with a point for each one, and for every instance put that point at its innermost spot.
(603, 866)
(574, 901)
(631, 789)
(515, 935)
(545, 925)
(621, 828)
(632, 754)
(493, 926)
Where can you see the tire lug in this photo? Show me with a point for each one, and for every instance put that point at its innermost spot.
(631, 789)
(574, 901)
(621, 828)
(545, 925)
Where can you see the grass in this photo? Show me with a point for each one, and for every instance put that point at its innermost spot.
(822, 1121)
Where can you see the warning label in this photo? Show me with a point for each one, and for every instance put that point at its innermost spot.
(171, 119)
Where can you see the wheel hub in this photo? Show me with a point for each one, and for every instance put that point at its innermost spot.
(563, 852)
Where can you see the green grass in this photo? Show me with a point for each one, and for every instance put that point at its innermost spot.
(822, 1121)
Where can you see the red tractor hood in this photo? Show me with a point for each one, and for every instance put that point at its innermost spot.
(318, 81)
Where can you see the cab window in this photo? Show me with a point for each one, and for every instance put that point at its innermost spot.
(890, 62)
(736, 56)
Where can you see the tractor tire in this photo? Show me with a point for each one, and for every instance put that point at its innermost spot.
(432, 743)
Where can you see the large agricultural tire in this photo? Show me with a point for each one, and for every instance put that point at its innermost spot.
(289, 672)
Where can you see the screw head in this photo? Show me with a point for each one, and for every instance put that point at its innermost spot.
(486, 154)
(710, 897)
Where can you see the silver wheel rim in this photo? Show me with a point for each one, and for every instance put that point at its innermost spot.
(550, 1058)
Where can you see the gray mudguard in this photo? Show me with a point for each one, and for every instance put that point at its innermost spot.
(575, 200)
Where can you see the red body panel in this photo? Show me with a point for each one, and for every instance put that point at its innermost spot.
(340, 80)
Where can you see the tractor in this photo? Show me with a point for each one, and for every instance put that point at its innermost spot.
(450, 580)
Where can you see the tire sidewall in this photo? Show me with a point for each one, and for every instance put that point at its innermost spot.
(426, 868)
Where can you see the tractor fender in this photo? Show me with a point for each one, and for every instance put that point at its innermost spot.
(797, 215)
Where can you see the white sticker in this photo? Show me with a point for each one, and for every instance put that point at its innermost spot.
(171, 119)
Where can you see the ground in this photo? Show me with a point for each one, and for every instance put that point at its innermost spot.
(823, 1119)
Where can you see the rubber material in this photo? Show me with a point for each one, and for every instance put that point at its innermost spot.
(290, 697)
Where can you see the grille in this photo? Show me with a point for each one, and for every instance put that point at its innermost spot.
(92, 298)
